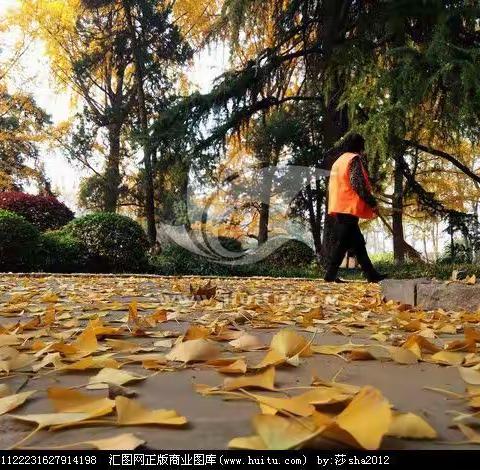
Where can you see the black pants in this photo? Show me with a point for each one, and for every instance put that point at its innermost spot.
(349, 238)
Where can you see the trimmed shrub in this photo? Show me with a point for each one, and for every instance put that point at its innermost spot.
(60, 252)
(291, 253)
(175, 259)
(231, 244)
(18, 242)
(114, 243)
(44, 212)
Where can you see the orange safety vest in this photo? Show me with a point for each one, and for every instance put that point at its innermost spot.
(342, 198)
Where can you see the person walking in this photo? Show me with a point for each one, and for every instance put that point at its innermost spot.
(349, 200)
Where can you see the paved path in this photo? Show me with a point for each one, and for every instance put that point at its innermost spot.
(213, 421)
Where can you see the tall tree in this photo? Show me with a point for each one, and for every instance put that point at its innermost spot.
(156, 43)
(89, 53)
(393, 65)
(23, 125)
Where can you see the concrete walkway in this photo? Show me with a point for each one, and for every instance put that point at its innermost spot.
(213, 421)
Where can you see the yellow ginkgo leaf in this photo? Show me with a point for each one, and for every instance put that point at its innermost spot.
(90, 362)
(159, 358)
(410, 426)
(325, 396)
(471, 279)
(72, 401)
(112, 376)
(265, 380)
(469, 375)
(49, 297)
(126, 441)
(11, 402)
(121, 442)
(367, 418)
(86, 343)
(279, 433)
(448, 329)
(223, 361)
(296, 405)
(248, 443)
(315, 313)
(272, 358)
(237, 367)
(419, 342)
(247, 342)
(196, 350)
(448, 358)
(363, 355)
(402, 355)
(343, 387)
(197, 332)
(49, 419)
(49, 318)
(131, 413)
(52, 358)
(334, 350)
(342, 330)
(380, 337)
(16, 362)
(289, 343)
(122, 345)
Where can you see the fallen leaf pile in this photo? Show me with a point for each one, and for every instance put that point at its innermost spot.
(97, 340)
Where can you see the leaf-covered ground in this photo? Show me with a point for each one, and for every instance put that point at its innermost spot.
(122, 362)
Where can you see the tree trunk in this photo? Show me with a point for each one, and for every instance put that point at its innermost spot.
(263, 223)
(335, 126)
(434, 232)
(315, 220)
(112, 170)
(143, 117)
(397, 206)
(265, 194)
(425, 247)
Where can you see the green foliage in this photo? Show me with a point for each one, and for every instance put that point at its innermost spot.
(294, 262)
(291, 253)
(60, 252)
(175, 259)
(115, 243)
(382, 258)
(231, 244)
(439, 270)
(22, 125)
(18, 242)
(93, 192)
(459, 254)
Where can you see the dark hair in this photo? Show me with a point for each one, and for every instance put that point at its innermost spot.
(354, 143)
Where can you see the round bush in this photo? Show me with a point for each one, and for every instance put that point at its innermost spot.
(45, 212)
(231, 244)
(114, 243)
(175, 259)
(18, 242)
(291, 253)
(60, 252)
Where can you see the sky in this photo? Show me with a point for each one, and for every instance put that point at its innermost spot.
(36, 80)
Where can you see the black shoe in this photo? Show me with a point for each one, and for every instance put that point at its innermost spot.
(337, 280)
(377, 277)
